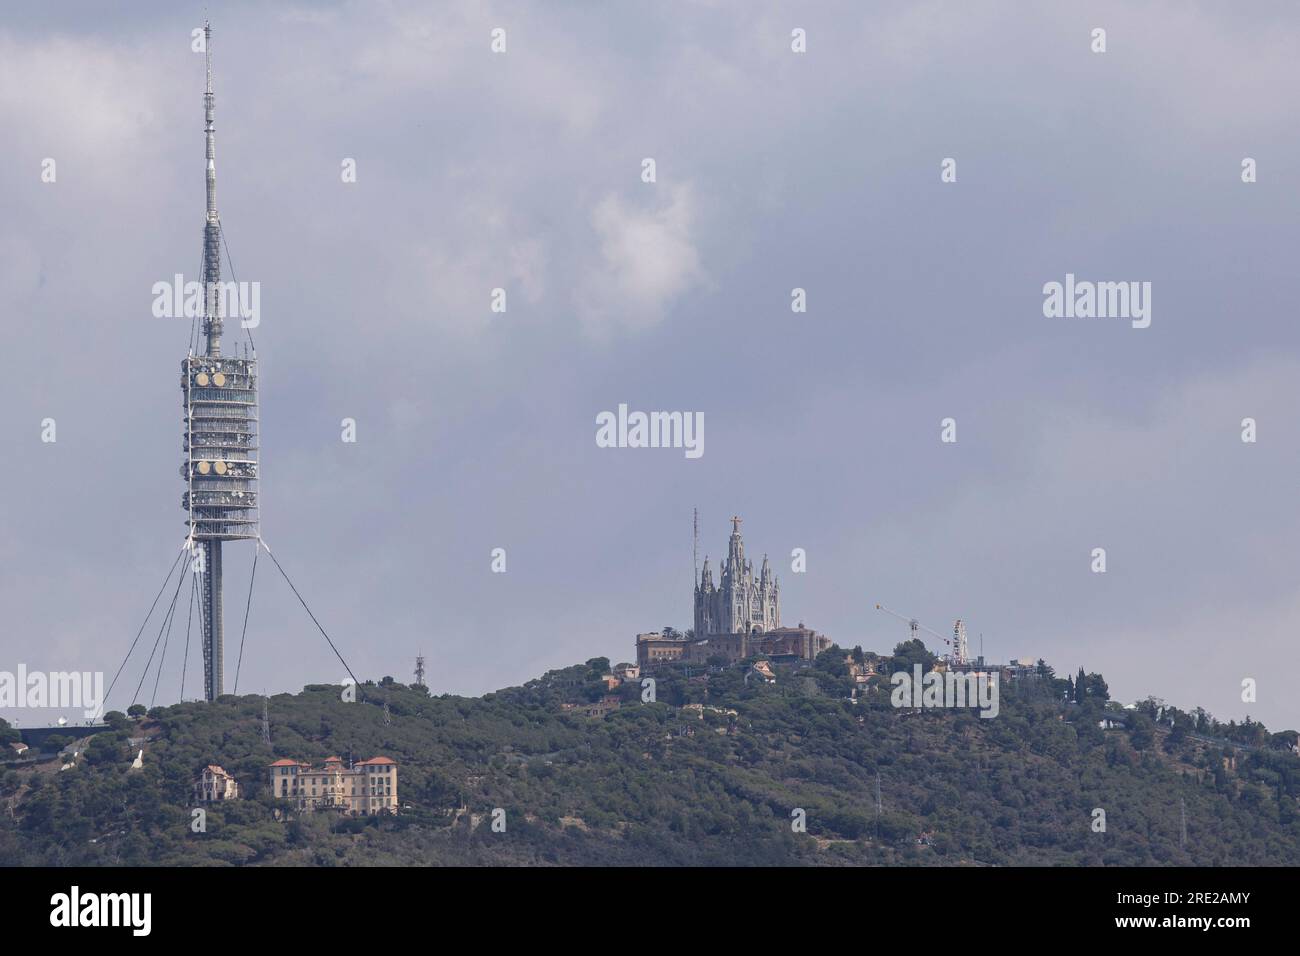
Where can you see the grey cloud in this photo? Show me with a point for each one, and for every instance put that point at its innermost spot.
(775, 171)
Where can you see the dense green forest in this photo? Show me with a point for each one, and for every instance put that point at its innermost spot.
(659, 784)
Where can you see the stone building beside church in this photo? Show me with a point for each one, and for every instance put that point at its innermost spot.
(781, 642)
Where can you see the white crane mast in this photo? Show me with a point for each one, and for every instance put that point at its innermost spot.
(960, 653)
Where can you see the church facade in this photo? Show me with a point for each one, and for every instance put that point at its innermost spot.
(742, 602)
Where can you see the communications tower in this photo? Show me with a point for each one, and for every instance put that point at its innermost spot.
(220, 400)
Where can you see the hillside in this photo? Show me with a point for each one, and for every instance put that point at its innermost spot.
(654, 784)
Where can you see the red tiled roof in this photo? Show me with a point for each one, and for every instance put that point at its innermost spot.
(384, 760)
(285, 763)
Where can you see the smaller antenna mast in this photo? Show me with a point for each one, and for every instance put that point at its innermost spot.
(695, 546)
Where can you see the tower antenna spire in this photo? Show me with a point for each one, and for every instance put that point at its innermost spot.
(212, 321)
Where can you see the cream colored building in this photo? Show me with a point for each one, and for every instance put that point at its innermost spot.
(367, 787)
(215, 784)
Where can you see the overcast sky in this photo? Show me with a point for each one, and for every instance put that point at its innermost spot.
(775, 170)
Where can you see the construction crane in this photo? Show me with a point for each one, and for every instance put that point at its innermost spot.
(960, 632)
(914, 624)
(960, 650)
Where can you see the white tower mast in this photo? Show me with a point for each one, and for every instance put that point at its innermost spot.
(960, 655)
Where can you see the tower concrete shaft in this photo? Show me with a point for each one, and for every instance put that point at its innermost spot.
(213, 623)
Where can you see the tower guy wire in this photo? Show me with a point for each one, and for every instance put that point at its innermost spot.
(328, 640)
(247, 607)
(143, 624)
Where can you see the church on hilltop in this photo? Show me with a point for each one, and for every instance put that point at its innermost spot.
(741, 602)
(738, 618)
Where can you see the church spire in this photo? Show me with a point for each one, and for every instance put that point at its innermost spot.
(735, 549)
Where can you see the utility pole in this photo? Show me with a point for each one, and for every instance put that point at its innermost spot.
(877, 805)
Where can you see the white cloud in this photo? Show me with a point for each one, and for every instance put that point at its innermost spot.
(648, 258)
(448, 283)
(89, 105)
(443, 52)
